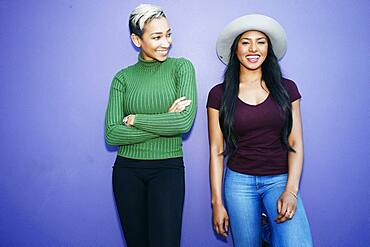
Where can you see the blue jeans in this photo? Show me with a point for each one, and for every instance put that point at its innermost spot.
(248, 196)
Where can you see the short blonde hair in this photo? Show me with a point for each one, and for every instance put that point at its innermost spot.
(143, 14)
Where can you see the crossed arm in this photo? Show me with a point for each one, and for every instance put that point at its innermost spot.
(173, 122)
(131, 129)
(116, 133)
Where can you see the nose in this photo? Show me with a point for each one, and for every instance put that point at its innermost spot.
(253, 47)
(166, 42)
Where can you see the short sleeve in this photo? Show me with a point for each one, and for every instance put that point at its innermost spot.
(215, 97)
(292, 89)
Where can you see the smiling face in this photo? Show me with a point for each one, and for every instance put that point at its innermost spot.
(155, 41)
(252, 49)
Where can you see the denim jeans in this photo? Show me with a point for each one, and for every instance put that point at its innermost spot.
(248, 196)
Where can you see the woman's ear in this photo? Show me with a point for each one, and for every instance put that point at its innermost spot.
(136, 40)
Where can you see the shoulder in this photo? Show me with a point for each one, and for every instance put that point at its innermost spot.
(288, 83)
(216, 91)
(215, 96)
(124, 72)
(179, 60)
(120, 74)
(180, 63)
(292, 89)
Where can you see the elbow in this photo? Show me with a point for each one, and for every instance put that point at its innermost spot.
(296, 145)
(216, 150)
(186, 128)
(109, 138)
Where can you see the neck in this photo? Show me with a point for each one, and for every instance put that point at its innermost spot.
(248, 76)
(148, 64)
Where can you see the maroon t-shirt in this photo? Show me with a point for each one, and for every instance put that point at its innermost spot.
(260, 150)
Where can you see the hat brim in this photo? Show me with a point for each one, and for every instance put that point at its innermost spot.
(256, 22)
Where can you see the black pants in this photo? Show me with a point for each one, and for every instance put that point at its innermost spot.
(149, 197)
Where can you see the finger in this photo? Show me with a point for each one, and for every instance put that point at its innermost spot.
(218, 229)
(178, 100)
(222, 230)
(225, 228)
(215, 228)
(279, 206)
(227, 222)
(284, 208)
(281, 220)
(179, 109)
(172, 108)
(183, 103)
(291, 214)
(288, 215)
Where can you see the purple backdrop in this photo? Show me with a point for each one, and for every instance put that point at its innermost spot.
(57, 62)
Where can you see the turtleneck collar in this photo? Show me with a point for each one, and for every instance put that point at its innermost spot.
(148, 64)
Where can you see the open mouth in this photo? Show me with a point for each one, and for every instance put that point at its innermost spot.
(162, 52)
(253, 58)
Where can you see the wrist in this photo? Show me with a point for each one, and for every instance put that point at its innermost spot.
(292, 193)
(216, 203)
(293, 189)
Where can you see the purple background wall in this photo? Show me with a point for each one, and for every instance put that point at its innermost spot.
(57, 61)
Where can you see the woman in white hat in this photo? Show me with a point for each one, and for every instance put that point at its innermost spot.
(151, 104)
(257, 113)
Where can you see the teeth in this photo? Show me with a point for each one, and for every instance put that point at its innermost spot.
(253, 57)
(162, 52)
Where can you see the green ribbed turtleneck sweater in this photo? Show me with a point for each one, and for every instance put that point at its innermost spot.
(147, 89)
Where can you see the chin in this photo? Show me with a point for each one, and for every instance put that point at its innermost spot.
(252, 67)
(161, 59)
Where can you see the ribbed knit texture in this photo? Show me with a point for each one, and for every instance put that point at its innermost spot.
(147, 89)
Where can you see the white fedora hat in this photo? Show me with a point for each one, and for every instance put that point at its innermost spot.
(256, 22)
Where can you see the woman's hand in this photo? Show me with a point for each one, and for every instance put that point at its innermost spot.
(179, 105)
(220, 220)
(129, 120)
(287, 205)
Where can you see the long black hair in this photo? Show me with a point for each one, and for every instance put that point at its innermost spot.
(271, 74)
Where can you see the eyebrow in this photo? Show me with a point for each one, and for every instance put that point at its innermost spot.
(257, 38)
(156, 33)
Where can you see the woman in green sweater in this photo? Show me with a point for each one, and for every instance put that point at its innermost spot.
(151, 104)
